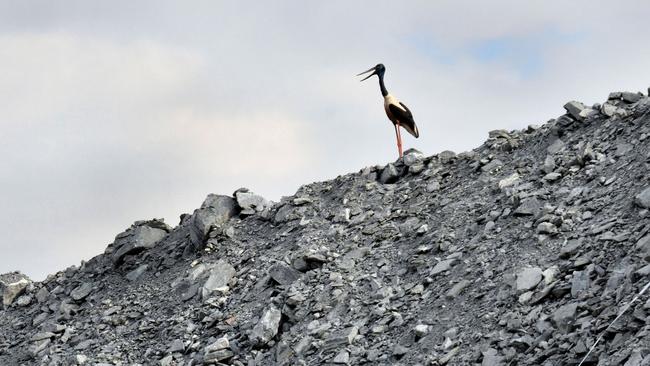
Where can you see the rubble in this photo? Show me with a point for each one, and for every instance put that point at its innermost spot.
(522, 251)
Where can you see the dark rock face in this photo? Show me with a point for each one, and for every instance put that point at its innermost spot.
(215, 211)
(139, 237)
(520, 252)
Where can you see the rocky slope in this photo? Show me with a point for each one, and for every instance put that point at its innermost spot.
(520, 252)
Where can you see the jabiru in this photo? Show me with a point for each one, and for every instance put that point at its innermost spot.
(397, 112)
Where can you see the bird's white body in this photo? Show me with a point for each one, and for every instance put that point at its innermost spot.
(388, 101)
(400, 115)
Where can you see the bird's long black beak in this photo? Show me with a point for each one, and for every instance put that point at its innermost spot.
(370, 69)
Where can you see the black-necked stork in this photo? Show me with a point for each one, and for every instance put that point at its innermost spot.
(396, 111)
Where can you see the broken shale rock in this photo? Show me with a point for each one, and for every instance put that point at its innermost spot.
(521, 251)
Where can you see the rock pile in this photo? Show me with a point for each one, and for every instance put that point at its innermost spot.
(520, 252)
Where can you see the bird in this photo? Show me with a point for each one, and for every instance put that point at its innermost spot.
(397, 112)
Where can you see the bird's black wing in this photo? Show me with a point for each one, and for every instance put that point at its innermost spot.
(405, 118)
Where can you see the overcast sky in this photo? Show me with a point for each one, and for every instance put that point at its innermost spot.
(116, 111)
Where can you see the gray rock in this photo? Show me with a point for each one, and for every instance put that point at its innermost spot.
(42, 295)
(136, 273)
(643, 198)
(457, 289)
(218, 345)
(570, 248)
(136, 240)
(421, 330)
(555, 147)
(549, 164)
(176, 346)
(630, 97)
(220, 275)
(283, 274)
(547, 228)
(491, 358)
(389, 174)
(528, 207)
(446, 157)
(643, 246)
(442, 266)
(215, 211)
(82, 291)
(13, 290)
(217, 356)
(579, 283)
(611, 110)
(412, 157)
(528, 278)
(643, 271)
(249, 202)
(342, 357)
(552, 177)
(564, 317)
(511, 180)
(267, 327)
(578, 110)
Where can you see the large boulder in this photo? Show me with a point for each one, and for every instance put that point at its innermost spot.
(142, 235)
(215, 211)
(249, 202)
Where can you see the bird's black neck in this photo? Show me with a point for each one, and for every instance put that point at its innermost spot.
(384, 92)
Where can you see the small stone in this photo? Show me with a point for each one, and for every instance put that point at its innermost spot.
(421, 330)
(446, 156)
(528, 207)
(342, 357)
(547, 228)
(176, 346)
(81, 359)
(412, 157)
(220, 275)
(219, 344)
(643, 198)
(400, 350)
(457, 289)
(552, 177)
(579, 283)
(528, 278)
(166, 361)
(555, 147)
(509, 181)
(549, 164)
(491, 358)
(283, 274)
(267, 327)
(442, 266)
(564, 317)
(389, 174)
(136, 273)
(82, 291)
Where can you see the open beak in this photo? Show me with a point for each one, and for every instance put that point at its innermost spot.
(370, 69)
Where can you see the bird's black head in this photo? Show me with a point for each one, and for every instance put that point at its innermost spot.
(377, 70)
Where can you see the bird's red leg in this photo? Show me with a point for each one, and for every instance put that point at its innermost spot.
(399, 139)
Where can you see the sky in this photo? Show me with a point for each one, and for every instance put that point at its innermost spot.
(125, 110)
